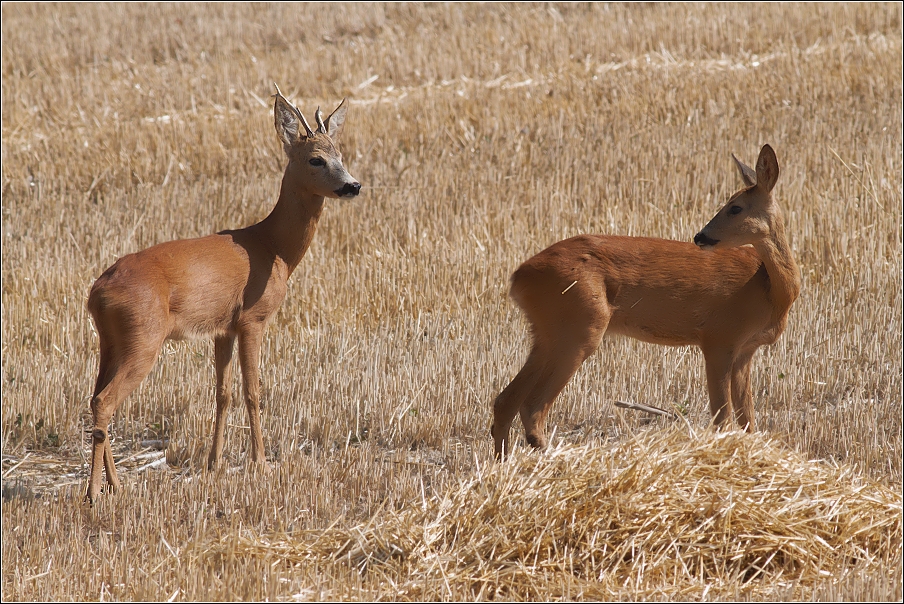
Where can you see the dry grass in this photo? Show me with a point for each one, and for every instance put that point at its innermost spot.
(489, 132)
(668, 515)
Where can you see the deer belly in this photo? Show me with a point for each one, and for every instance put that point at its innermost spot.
(202, 316)
(655, 333)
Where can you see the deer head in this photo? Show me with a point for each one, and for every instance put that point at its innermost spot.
(313, 154)
(749, 215)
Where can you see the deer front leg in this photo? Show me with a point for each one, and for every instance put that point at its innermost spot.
(741, 399)
(718, 382)
(223, 347)
(249, 360)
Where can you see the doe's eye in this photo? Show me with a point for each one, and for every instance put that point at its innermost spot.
(317, 161)
(735, 210)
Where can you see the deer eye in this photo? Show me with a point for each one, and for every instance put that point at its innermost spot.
(317, 161)
(735, 210)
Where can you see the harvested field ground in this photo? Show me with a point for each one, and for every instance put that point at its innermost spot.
(481, 134)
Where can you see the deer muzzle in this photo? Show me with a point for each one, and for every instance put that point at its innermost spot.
(349, 189)
(704, 241)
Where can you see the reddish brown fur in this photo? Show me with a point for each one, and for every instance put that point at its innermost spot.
(226, 286)
(729, 301)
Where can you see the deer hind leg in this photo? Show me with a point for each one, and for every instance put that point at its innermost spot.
(249, 360)
(223, 347)
(568, 319)
(562, 358)
(116, 380)
(100, 457)
(719, 366)
(741, 398)
(509, 401)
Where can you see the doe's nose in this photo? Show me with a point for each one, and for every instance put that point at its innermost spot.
(350, 189)
(702, 240)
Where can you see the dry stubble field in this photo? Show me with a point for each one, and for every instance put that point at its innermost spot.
(481, 134)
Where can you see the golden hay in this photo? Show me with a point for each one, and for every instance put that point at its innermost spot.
(670, 514)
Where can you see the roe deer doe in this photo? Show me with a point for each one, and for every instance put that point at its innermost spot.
(728, 301)
(224, 286)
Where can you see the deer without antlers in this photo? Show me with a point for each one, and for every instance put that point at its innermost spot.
(226, 286)
(726, 299)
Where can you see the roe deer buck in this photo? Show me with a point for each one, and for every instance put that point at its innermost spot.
(224, 286)
(729, 302)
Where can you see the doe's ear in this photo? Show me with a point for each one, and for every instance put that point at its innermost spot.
(747, 175)
(767, 168)
(286, 121)
(333, 124)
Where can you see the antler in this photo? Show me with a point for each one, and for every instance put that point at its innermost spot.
(304, 122)
(319, 117)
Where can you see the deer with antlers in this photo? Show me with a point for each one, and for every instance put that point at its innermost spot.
(226, 286)
(729, 294)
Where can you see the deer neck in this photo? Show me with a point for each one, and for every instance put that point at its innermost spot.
(784, 275)
(289, 228)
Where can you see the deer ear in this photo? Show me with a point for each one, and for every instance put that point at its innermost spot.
(747, 175)
(334, 122)
(767, 168)
(287, 124)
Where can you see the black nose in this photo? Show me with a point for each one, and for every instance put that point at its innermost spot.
(349, 189)
(702, 240)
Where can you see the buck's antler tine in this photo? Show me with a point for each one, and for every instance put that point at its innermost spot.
(304, 122)
(319, 117)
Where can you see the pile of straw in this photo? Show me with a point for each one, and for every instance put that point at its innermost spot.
(669, 514)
